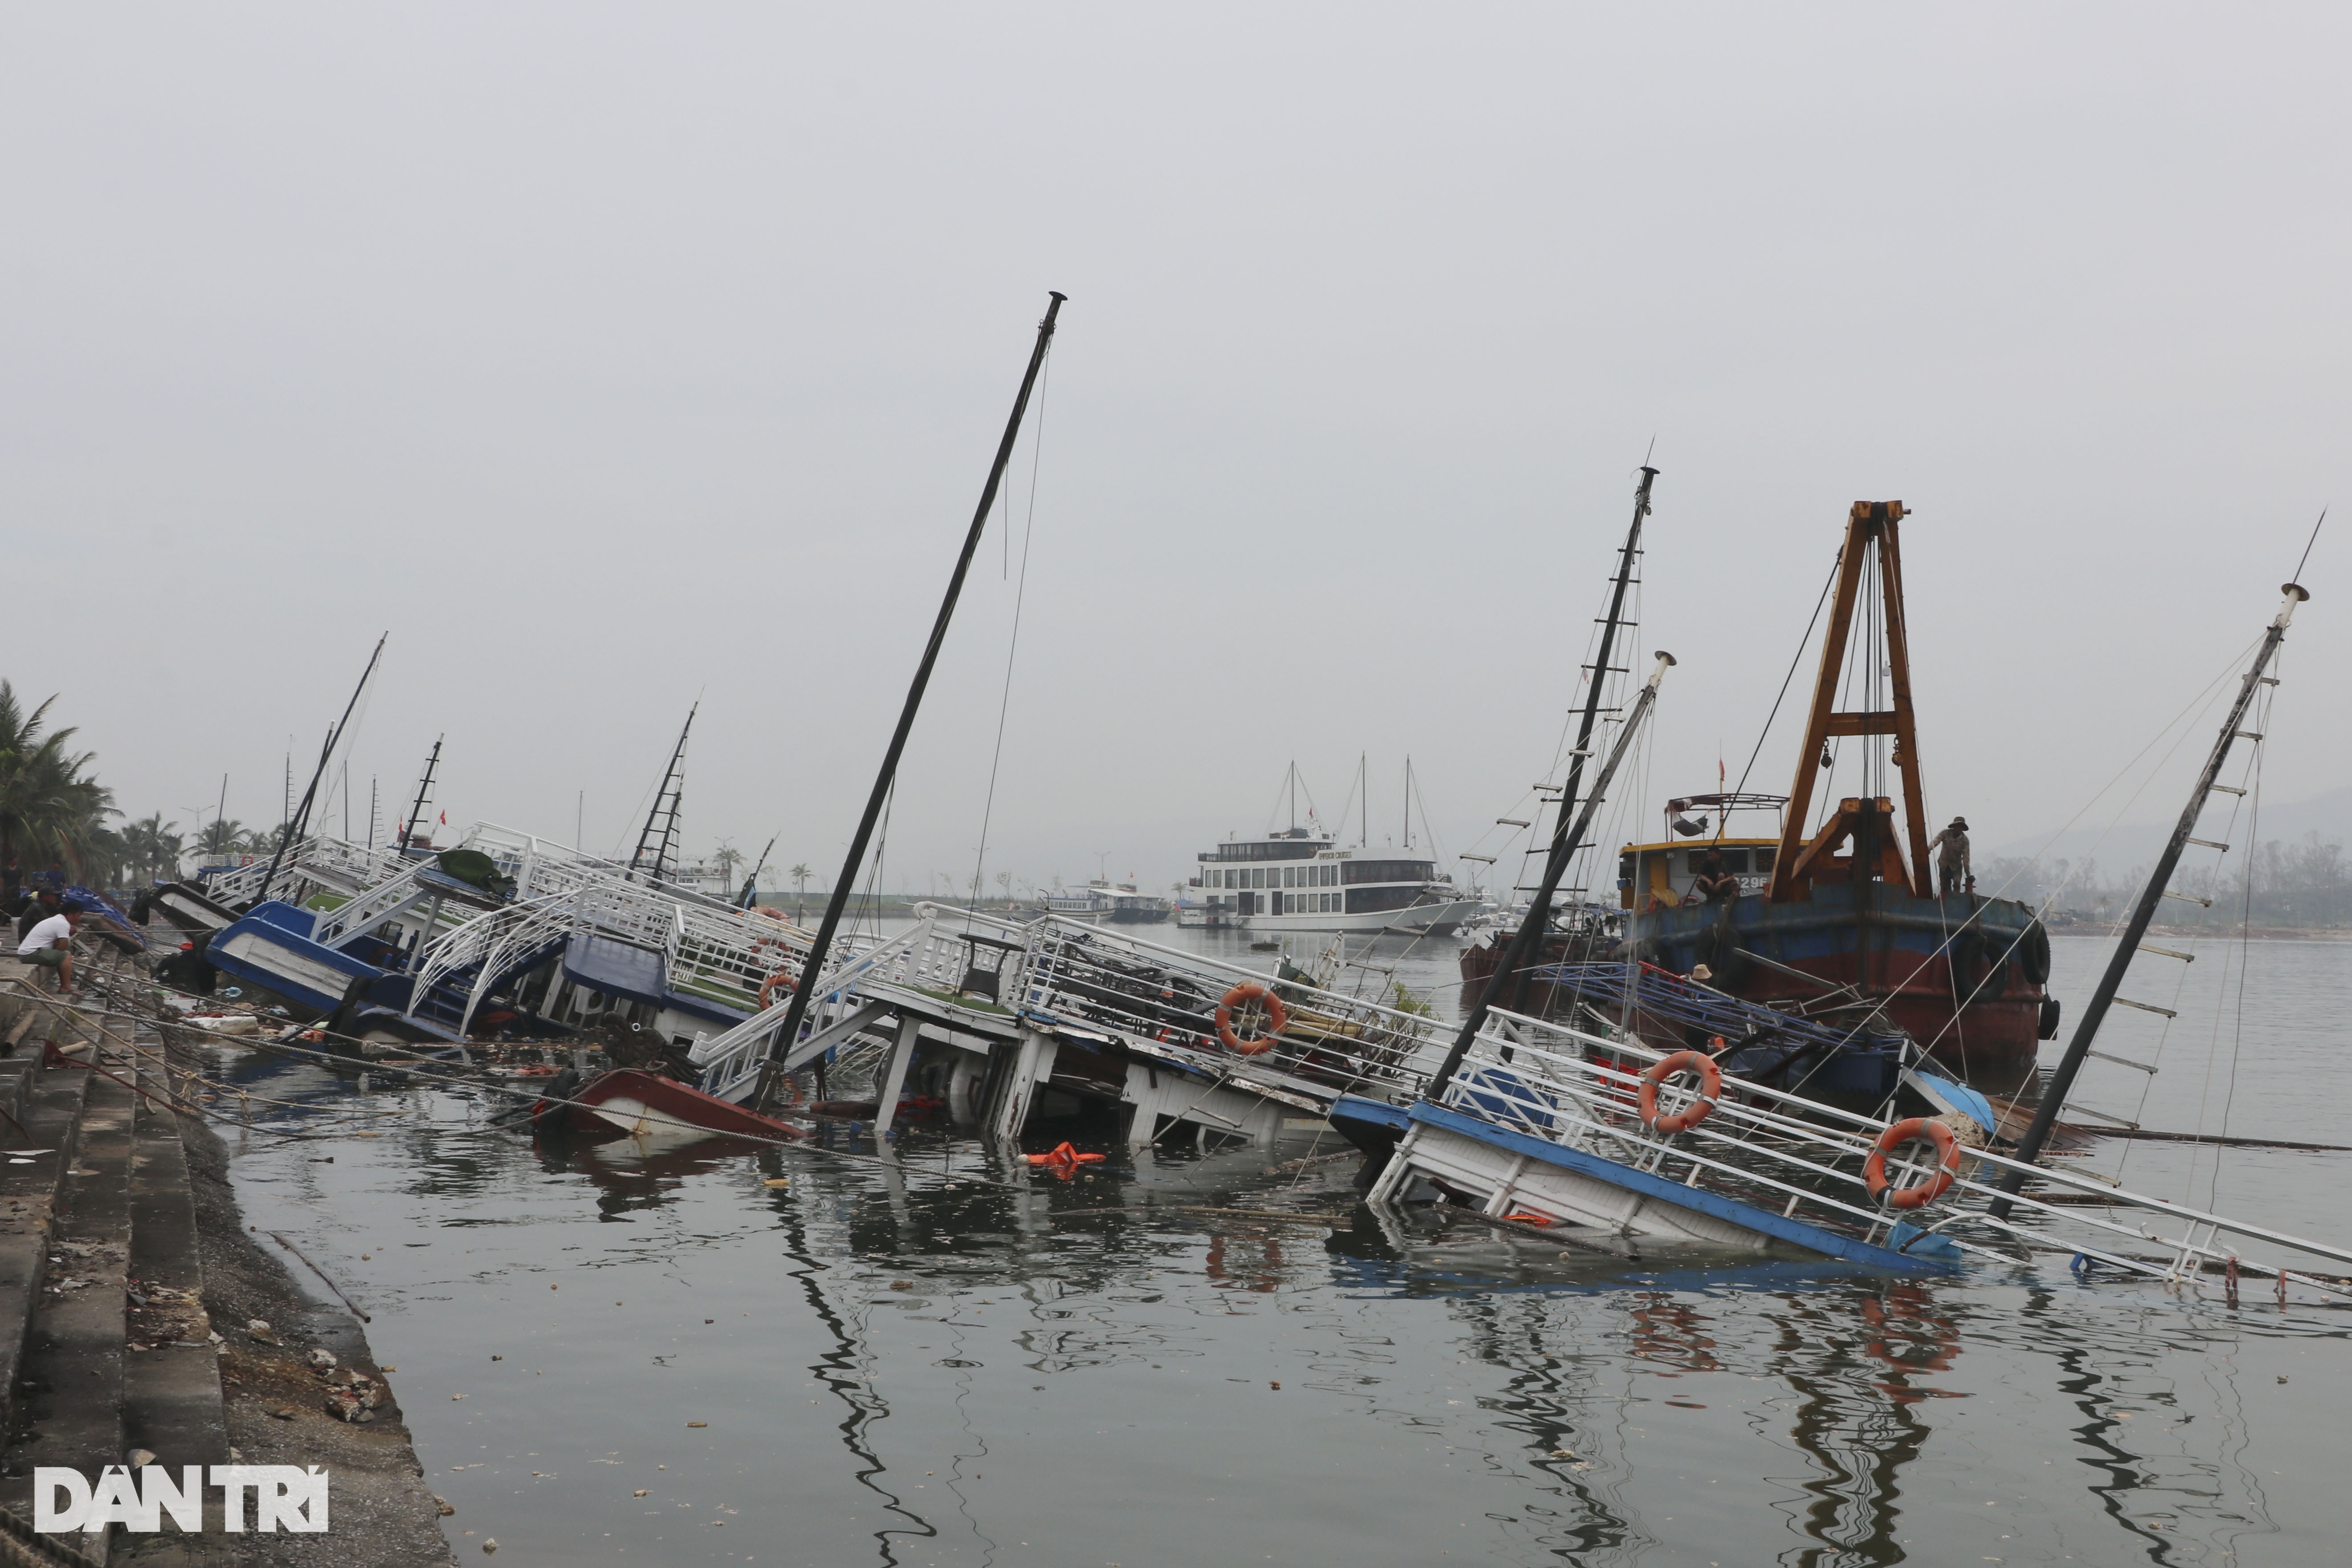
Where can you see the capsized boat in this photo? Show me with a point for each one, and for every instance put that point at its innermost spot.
(653, 1106)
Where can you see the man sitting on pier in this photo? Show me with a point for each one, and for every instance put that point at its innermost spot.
(51, 943)
(1952, 847)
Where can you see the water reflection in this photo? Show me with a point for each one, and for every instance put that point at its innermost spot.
(1594, 1409)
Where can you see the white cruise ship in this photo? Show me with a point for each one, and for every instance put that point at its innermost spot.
(1297, 879)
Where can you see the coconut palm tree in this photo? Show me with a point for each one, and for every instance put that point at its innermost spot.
(154, 849)
(800, 875)
(50, 808)
(222, 837)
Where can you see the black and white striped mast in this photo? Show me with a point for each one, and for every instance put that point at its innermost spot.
(1565, 842)
(1568, 829)
(2053, 1093)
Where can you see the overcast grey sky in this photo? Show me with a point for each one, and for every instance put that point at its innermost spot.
(609, 356)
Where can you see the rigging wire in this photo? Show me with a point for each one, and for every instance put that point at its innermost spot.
(2246, 915)
(1013, 644)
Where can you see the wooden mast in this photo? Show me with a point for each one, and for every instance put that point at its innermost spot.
(1871, 524)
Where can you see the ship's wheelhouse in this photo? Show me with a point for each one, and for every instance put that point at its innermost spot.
(1665, 871)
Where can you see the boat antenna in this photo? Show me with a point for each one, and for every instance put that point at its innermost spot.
(1364, 798)
(1408, 801)
(796, 1010)
(1517, 960)
(752, 882)
(423, 793)
(285, 833)
(2053, 1093)
(666, 805)
(2307, 545)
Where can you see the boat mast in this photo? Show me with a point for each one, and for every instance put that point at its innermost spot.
(752, 882)
(796, 1010)
(666, 798)
(424, 793)
(286, 835)
(2054, 1094)
(1564, 844)
(1530, 933)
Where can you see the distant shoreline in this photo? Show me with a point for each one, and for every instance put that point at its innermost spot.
(2258, 933)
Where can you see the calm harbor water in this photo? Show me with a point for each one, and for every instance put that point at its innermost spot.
(895, 1367)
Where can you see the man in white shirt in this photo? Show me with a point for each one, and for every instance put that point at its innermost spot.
(51, 942)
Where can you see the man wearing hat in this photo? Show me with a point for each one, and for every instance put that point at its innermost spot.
(1952, 847)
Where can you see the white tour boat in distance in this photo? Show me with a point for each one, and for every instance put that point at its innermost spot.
(1297, 879)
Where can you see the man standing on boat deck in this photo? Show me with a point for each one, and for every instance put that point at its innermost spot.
(51, 942)
(1952, 847)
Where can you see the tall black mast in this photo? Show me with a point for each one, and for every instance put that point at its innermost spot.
(424, 793)
(752, 882)
(1530, 933)
(2053, 1093)
(814, 965)
(286, 835)
(671, 792)
(1509, 988)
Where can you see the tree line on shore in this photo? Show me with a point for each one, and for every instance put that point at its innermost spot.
(2304, 883)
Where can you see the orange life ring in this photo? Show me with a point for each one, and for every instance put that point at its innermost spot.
(769, 985)
(1276, 1017)
(1710, 1088)
(1922, 1194)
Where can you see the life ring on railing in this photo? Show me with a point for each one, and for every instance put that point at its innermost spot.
(769, 985)
(1919, 1195)
(1710, 1088)
(1277, 1015)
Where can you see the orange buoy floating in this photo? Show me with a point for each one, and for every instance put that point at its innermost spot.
(1063, 1156)
(1710, 1078)
(1276, 1017)
(1919, 1194)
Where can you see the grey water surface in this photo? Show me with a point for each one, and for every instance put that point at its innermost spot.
(896, 1367)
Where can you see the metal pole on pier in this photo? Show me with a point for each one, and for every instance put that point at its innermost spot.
(1531, 934)
(2054, 1094)
(813, 967)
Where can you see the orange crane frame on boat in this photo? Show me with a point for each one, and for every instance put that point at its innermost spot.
(1858, 819)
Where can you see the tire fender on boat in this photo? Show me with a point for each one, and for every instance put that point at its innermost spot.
(2033, 955)
(1710, 1079)
(1919, 1194)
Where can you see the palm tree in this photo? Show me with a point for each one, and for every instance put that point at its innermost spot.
(222, 837)
(51, 810)
(800, 875)
(154, 849)
(728, 858)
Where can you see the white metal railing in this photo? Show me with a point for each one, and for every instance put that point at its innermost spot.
(731, 1062)
(1164, 1002)
(1773, 1148)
